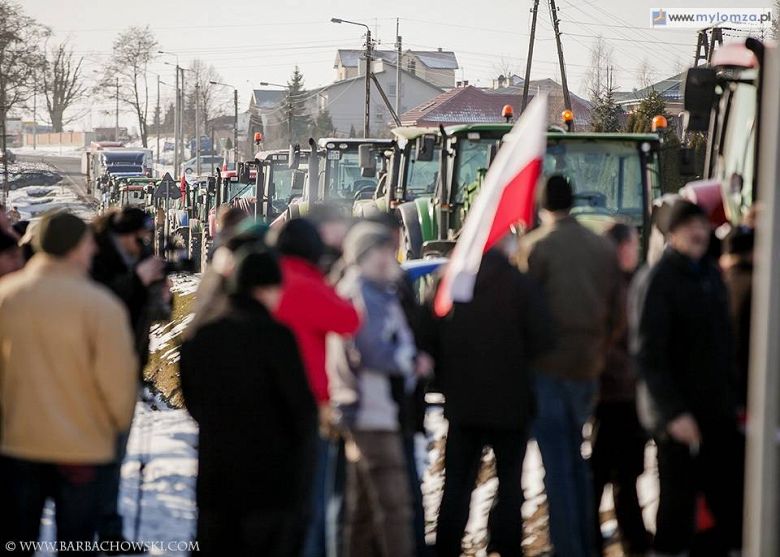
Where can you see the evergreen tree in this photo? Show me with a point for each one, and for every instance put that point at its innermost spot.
(605, 115)
(323, 124)
(296, 115)
(641, 120)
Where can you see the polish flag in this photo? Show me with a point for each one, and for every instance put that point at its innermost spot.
(506, 198)
(183, 186)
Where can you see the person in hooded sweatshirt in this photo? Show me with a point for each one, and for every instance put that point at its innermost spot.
(244, 383)
(373, 375)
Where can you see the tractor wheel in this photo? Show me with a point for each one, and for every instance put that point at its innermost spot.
(195, 245)
(411, 233)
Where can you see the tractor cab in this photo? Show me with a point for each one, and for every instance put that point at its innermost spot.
(721, 100)
(342, 178)
(281, 179)
(132, 192)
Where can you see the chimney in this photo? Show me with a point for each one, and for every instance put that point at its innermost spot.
(439, 49)
(458, 84)
(466, 83)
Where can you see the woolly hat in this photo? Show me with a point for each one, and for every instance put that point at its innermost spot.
(58, 233)
(362, 238)
(557, 194)
(300, 238)
(253, 269)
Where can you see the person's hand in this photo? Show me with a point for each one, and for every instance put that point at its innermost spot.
(326, 421)
(423, 364)
(150, 270)
(685, 430)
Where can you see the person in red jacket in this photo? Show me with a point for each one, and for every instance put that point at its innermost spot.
(311, 308)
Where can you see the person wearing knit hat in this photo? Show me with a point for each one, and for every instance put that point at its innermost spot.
(69, 385)
(244, 382)
(313, 310)
(579, 274)
(683, 348)
(123, 263)
(373, 376)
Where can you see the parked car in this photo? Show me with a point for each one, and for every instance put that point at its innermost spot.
(8, 155)
(207, 162)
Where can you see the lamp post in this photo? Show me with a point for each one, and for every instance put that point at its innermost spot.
(176, 113)
(235, 118)
(367, 113)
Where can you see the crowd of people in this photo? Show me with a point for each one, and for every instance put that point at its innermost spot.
(307, 363)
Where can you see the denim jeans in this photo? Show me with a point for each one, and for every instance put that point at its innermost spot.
(323, 532)
(564, 406)
(111, 524)
(75, 488)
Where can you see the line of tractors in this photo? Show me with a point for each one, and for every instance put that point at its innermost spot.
(428, 177)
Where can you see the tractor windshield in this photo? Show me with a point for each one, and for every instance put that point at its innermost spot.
(734, 165)
(473, 156)
(342, 174)
(422, 175)
(606, 176)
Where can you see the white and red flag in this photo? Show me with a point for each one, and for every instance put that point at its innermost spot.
(506, 197)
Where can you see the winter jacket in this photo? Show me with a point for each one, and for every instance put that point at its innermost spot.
(244, 383)
(618, 381)
(682, 343)
(579, 274)
(739, 283)
(483, 349)
(312, 309)
(372, 373)
(68, 370)
(111, 269)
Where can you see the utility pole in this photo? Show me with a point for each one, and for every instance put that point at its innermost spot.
(235, 127)
(176, 160)
(564, 84)
(181, 115)
(116, 121)
(159, 117)
(397, 68)
(6, 188)
(530, 56)
(367, 116)
(197, 128)
(35, 116)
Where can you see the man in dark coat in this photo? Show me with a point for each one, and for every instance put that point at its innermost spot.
(121, 237)
(684, 351)
(244, 383)
(619, 439)
(483, 351)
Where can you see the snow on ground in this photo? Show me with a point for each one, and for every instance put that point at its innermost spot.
(36, 187)
(69, 151)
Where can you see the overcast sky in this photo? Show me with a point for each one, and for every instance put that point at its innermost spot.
(249, 41)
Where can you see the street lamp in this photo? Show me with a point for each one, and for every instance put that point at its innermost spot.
(235, 118)
(177, 115)
(367, 113)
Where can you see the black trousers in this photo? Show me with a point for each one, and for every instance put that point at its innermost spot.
(462, 459)
(254, 533)
(619, 458)
(717, 472)
(24, 487)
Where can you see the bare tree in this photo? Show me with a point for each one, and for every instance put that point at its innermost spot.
(598, 73)
(133, 49)
(505, 67)
(775, 29)
(20, 58)
(61, 83)
(645, 74)
(208, 94)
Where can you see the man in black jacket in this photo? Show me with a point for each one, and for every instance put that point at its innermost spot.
(683, 347)
(483, 351)
(244, 383)
(122, 237)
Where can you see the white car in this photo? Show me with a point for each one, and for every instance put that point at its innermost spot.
(207, 162)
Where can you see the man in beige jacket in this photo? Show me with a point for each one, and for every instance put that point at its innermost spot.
(68, 376)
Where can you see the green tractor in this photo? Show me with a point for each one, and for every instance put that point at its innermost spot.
(281, 178)
(615, 177)
(409, 169)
